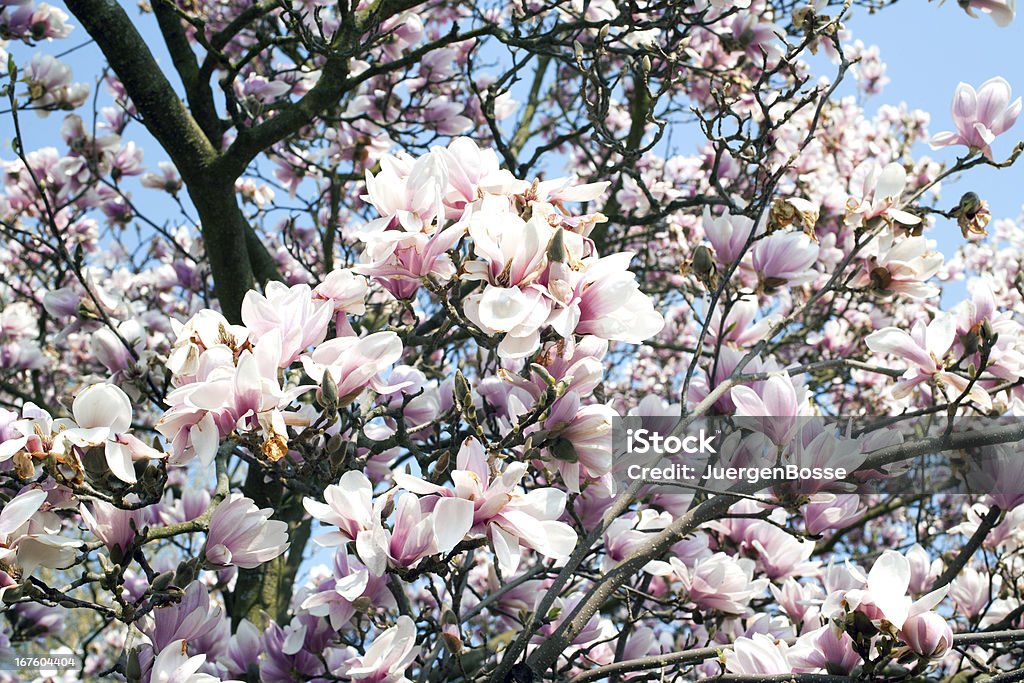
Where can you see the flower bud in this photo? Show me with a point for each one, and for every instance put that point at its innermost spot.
(556, 247)
(328, 392)
(162, 581)
(928, 634)
(703, 264)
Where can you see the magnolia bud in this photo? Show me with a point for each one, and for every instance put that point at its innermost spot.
(562, 449)
(556, 247)
(13, 594)
(162, 581)
(462, 391)
(328, 392)
(703, 263)
(928, 634)
(133, 668)
(543, 373)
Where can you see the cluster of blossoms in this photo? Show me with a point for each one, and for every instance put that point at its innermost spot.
(374, 440)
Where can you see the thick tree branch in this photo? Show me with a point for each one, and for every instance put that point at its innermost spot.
(197, 86)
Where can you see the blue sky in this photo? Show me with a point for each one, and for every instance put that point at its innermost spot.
(929, 49)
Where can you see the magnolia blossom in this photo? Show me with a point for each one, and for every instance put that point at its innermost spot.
(785, 258)
(903, 266)
(486, 504)
(28, 539)
(884, 596)
(827, 648)
(605, 301)
(103, 413)
(351, 583)
(243, 535)
(349, 507)
(354, 363)
(1001, 11)
(388, 656)
(408, 191)
(230, 393)
(173, 665)
(777, 398)
(875, 193)
(300, 320)
(728, 234)
(117, 528)
(926, 348)
(928, 634)
(719, 582)
(760, 654)
(50, 86)
(980, 116)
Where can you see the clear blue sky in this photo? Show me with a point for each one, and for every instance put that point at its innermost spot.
(929, 49)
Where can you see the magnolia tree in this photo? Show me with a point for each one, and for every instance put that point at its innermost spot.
(324, 386)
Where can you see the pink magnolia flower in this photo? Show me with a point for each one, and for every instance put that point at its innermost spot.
(117, 528)
(928, 634)
(826, 648)
(970, 591)
(230, 394)
(760, 654)
(799, 601)
(336, 596)
(408, 191)
(473, 172)
(923, 570)
(779, 399)
(50, 86)
(190, 619)
(926, 348)
(28, 539)
(167, 179)
(825, 511)
(347, 291)
(103, 413)
(875, 191)
(512, 251)
(206, 330)
(349, 507)
(388, 656)
(1001, 11)
(412, 537)
(603, 299)
(260, 89)
(785, 258)
(173, 665)
(488, 504)
(627, 533)
(980, 116)
(398, 260)
(778, 554)
(243, 535)
(902, 267)
(719, 582)
(884, 596)
(728, 234)
(583, 435)
(300, 319)
(354, 363)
